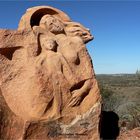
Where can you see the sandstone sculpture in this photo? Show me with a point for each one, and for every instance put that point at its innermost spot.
(48, 86)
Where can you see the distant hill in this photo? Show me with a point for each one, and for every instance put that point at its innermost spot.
(118, 80)
(121, 94)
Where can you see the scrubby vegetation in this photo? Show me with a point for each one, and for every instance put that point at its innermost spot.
(121, 94)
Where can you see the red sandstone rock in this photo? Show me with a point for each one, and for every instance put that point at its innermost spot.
(47, 82)
(130, 135)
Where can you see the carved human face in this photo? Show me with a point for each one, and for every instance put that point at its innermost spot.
(48, 44)
(76, 29)
(52, 24)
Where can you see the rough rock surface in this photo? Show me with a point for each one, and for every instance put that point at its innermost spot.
(48, 86)
(130, 135)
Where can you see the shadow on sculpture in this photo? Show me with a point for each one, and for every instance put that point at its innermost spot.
(109, 129)
(8, 52)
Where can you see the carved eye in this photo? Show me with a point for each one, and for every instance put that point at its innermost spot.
(53, 20)
(84, 33)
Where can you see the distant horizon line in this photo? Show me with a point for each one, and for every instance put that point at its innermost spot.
(113, 73)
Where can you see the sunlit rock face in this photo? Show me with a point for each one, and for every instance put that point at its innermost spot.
(48, 86)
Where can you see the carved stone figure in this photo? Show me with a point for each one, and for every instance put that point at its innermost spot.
(47, 79)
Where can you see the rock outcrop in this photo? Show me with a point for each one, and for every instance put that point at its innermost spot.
(48, 86)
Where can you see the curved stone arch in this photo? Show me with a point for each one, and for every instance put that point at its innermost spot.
(33, 15)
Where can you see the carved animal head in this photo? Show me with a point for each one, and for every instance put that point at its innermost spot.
(76, 29)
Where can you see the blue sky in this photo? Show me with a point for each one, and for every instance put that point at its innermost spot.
(114, 24)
